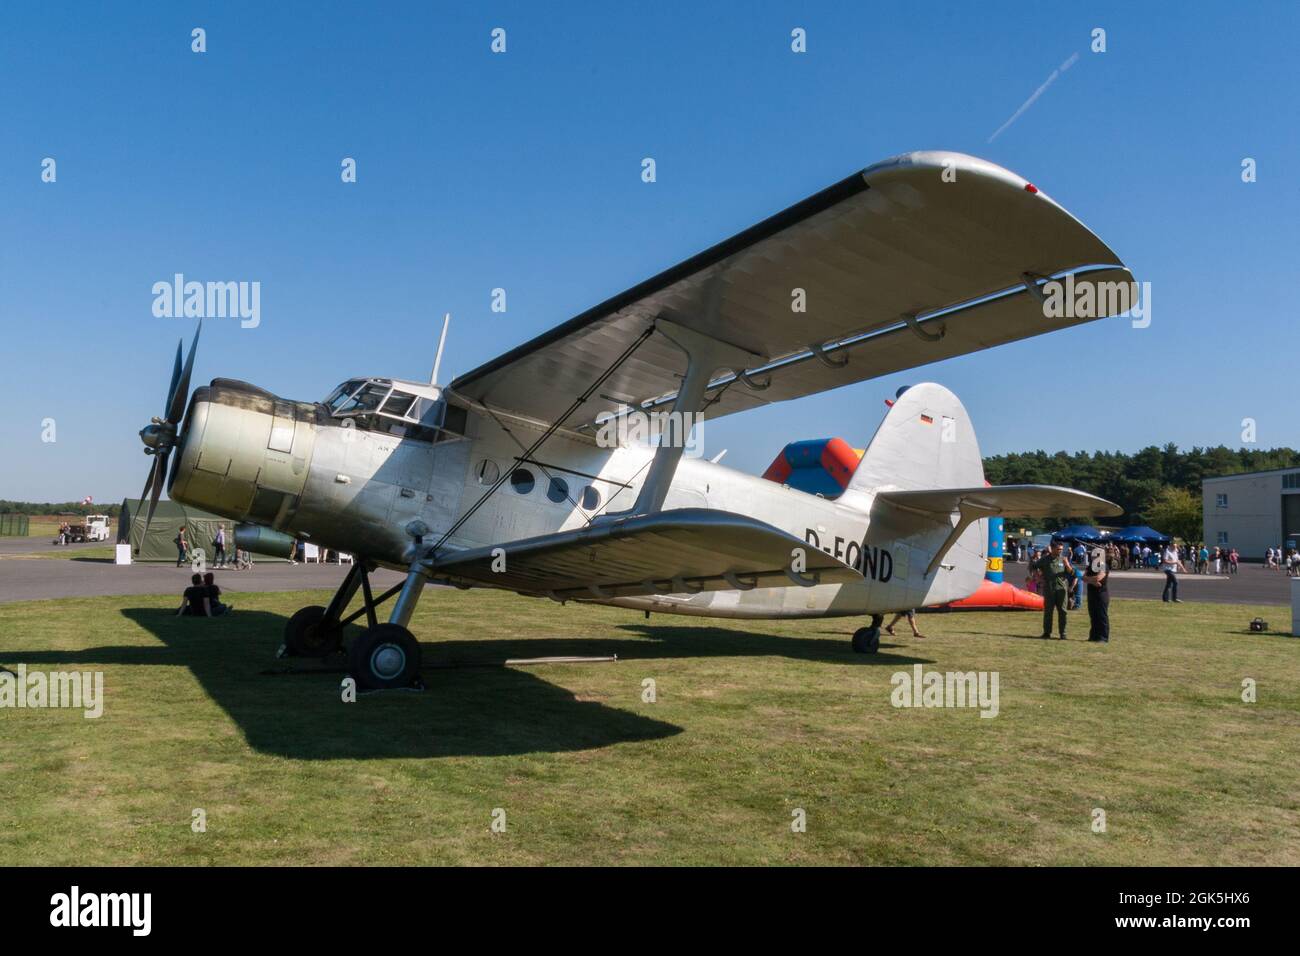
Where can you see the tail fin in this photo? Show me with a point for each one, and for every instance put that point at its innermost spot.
(925, 441)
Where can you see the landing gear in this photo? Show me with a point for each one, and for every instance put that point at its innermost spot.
(384, 657)
(308, 635)
(866, 640)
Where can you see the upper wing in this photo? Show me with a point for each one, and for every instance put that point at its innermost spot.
(940, 236)
(669, 552)
(1016, 500)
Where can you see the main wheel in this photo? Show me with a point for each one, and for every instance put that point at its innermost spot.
(385, 656)
(306, 635)
(866, 640)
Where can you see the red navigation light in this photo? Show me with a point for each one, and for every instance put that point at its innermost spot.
(1030, 188)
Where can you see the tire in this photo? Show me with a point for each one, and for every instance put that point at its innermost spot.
(384, 657)
(304, 635)
(866, 640)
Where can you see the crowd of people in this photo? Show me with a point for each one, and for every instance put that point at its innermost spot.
(1062, 573)
(239, 561)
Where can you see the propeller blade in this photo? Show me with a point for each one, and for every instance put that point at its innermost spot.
(181, 392)
(148, 483)
(159, 474)
(176, 377)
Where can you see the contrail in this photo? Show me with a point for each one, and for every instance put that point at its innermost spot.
(1037, 93)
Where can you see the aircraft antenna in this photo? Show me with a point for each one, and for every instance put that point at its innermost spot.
(442, 341)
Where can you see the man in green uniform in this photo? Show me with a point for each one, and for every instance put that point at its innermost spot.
(1058, 577)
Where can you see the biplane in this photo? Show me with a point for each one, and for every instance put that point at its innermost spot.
(505, 477)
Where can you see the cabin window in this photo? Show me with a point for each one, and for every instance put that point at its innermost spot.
(521, 479)
(488, 472)
(590, 498)
(558, 490)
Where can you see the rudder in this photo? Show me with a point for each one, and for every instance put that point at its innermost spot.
(925, 441)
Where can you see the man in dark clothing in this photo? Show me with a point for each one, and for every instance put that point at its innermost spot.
(1096, 577)
(214, 595)
(1058, 576)
(195, 601)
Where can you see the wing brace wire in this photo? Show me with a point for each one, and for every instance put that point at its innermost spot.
(551, 430)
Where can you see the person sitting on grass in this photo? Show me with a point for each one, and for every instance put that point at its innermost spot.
(195, 602)
(214, 595)
(911, 619)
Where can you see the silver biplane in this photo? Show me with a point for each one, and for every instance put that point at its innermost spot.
(501, 478)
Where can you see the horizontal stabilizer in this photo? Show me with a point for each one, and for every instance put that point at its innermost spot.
(1030, 501)
(669, 552)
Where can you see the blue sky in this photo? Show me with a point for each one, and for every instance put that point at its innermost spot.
(522, 171)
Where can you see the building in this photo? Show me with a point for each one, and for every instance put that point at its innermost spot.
(1252, 512)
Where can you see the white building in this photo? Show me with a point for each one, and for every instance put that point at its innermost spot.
(1252, 512)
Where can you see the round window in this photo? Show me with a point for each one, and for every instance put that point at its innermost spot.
(521, 479)
(590, 498)
(558, 490)
(488, 472)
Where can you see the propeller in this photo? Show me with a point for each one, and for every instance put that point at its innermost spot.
(162, 434)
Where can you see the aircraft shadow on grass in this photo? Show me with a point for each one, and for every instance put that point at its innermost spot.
(472, 706)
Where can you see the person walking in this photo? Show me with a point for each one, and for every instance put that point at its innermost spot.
(910, 614)
(1057, 577)
(219, 547)
(1098, 598)
(182, 547)
(1169, 564)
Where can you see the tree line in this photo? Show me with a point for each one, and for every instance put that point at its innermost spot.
(57, 508)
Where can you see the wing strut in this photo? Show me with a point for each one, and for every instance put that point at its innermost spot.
(967, 514)
(704, 356)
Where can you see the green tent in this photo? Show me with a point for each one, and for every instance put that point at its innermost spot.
(168, 518)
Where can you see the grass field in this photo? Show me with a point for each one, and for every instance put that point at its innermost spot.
(752, 721)
(94, 553)
(45, 526)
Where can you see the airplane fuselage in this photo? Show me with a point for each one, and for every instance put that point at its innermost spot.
(292, 467)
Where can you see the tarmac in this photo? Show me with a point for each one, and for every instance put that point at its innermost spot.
(36, 579)
(1252, 584)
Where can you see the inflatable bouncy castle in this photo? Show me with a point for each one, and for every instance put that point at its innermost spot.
(994, 593)
(823, 466)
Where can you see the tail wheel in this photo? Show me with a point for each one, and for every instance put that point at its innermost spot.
(866, 640)
(384, 657)
(307, 635)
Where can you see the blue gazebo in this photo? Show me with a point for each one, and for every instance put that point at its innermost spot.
(1079, 532)
(1140, 533)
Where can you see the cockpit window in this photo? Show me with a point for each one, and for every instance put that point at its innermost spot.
(378, 405)
(399, 403)
(367, 400)
(342, 394)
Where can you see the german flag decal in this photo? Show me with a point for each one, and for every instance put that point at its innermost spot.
(927, 420)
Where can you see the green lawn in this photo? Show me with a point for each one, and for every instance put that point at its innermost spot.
(105, 552)
(753, 720)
